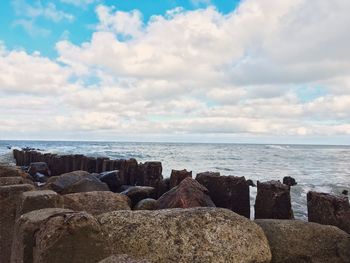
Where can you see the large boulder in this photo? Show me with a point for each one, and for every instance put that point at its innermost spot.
(14, 180)
(138, 193)
(73, 237)
(122, 259)
(197, 235)
(295, 241)
(10, 171)
(24, 233)
(96, 203)
(113, 179)
(273, 201)
(89, 183)
(329, 209)
(229, 192)
(64, 181)
(177, 176)
(35, 200)
(189, 193)
(75, 182)
(9, 198)
(146, 204)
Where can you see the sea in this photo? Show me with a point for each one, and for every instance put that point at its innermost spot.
(315, 167)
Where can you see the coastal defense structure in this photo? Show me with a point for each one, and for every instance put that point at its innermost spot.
(93, 215)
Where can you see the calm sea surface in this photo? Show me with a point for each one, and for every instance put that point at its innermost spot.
(319, 168)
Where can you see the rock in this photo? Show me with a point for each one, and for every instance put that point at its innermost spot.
(128, 170)
(189, 193)
(77, 162)
(198, 235)
(149, 174)
(177, 176)
(229, 192)
(108, 165)
(73, 237)
(295, 241)
(99, 164)
(273, 201)
(24, 234)
(329, 209)
(35, 200)
(10, 171)
(9, 198)
(40, 178)
(14, 180)
(290, 181)
(60, 183)
(146, 204)
(89, 183)
(138, 193)
(113, 179)
(122, 259)
(56, 165)
(345, 192)
(96, 203)
(163, 187)
(39, 167)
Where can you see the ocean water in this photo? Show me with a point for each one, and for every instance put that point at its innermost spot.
(318, 168)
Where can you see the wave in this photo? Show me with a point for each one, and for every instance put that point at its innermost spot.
(279, 147)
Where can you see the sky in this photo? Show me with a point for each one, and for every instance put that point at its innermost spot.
(256, 71)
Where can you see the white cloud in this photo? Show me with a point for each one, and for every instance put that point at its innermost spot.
(48, 11)
(191, 72)
(31, 28)
(123, 23)
(24, 73)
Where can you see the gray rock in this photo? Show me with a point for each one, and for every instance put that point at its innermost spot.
(10, 171)
(294, 241)
(113, 179)
(39, 167)
(14, 180)
(197, 235)
(328, 209)
(146, 204)
(89, 183)
(138, 193)
(24, 234)
(73, 237)
(97, 202)
(62, 182)
(35, 200)
(9, 198)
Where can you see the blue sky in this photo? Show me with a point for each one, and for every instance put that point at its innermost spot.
(80, 28)
(266, 71)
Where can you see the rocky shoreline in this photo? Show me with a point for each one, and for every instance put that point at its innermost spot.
(73, 208)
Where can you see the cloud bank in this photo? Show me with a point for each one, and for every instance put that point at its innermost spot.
(269, 68)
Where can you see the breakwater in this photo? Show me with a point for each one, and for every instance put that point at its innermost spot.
(127, 207)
